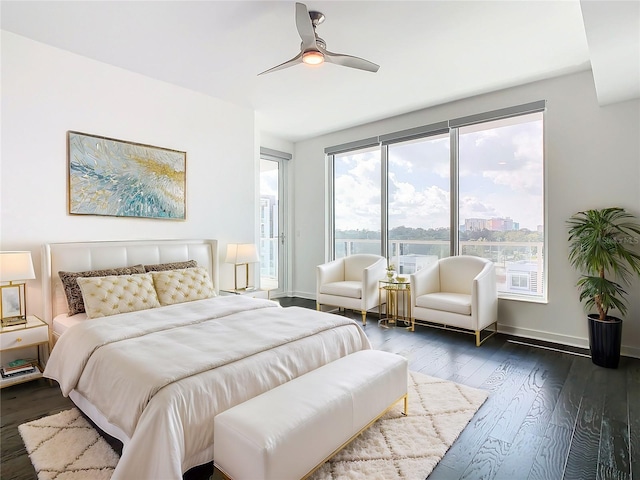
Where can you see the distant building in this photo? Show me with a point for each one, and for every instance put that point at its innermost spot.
(496, 224)
(524, 277)
(475, 224)
(268, 236)
(413, 262)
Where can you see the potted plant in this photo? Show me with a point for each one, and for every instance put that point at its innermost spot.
(600, 248)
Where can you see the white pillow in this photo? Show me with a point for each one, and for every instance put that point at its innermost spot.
(104, 296)
(183, 285)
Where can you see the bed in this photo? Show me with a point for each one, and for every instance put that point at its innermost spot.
(155, 378)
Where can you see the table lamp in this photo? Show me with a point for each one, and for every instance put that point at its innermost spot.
(15, 268)
(241, 254)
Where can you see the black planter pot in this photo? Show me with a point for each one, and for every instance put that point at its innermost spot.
(604, 340)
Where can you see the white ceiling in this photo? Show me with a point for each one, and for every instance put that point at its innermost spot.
(430, 52)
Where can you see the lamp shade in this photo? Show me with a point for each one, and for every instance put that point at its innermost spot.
(238, 253)
(16, 266)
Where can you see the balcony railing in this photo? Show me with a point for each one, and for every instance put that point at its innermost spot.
(519, 265)
(268, 261)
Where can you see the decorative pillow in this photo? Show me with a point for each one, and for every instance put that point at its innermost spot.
(160, 267)
(186, 285)
(104, 296)
(72, 289)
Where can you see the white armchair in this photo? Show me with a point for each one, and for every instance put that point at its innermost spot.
(351, 282)
(459, 292)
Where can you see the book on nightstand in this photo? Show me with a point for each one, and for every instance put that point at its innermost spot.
(20, 362)
(19, 373)
(19, 367)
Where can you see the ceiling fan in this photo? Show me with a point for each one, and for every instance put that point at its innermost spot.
(313, 49)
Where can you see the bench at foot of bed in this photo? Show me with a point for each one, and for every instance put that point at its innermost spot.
(288, 432)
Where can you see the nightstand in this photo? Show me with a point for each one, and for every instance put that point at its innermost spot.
(256, 293)
(34, 333)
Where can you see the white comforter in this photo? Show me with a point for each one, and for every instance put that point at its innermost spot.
(161, 375)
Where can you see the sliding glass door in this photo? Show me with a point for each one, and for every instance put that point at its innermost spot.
(273, 241)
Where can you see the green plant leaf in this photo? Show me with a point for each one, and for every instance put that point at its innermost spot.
(600, 242)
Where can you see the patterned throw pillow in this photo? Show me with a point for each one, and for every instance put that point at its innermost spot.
(104, 296)
(72, 289)
(186, 285)
(170, 266)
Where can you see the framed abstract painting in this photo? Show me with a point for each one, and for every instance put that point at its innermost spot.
(125, 179)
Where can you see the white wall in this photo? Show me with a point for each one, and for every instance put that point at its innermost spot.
(47, 91)
(269, 141)
(592, 160)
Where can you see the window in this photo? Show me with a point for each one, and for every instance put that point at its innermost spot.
(501, 198)
(467, 186)
(357, 202)
(419, 206)
(519, 281)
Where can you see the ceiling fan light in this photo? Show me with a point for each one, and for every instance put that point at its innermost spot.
(313, 57)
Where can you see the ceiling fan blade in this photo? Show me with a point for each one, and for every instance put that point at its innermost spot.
(349, 61)
(312, 49)
(289, 63)
(305, 27)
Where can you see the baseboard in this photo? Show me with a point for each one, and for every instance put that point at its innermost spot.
(630, 351)
(544, 336)
(560, 340)
(305, 295)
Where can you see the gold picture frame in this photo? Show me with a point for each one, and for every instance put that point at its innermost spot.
(111, 177)
(12, 304)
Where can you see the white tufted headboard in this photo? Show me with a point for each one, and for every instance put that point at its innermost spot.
(78, 257)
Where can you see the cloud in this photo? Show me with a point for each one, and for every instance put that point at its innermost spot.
(422, 157)
(357, 193)
(425, 208)
(473, 207)
(527, 179)
(269, 183)
(398, 161)
(510, 156)
(501, 174)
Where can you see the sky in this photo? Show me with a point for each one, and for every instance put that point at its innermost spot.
(500, 171)
(268, 178)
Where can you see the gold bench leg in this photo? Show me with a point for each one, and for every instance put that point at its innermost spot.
(364, 317)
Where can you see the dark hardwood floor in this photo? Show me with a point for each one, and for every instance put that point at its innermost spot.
(550, 415)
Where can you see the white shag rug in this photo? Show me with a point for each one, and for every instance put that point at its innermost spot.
(66, 447)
